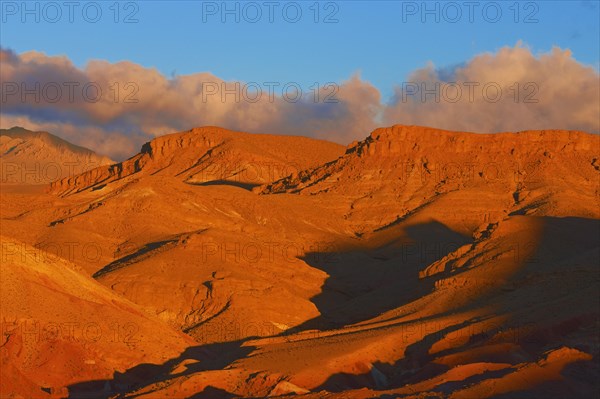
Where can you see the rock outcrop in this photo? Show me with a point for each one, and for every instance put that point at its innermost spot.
(211, 155)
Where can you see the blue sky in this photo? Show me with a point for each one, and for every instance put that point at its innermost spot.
(382, 40)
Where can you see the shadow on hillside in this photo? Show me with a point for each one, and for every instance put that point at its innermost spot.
(561, 252)
(198, 358)
(245, 186)
(142, 253)
(212, 393)
(364, 283)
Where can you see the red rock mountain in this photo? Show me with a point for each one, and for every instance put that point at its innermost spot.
(416, 263)
(212, 155)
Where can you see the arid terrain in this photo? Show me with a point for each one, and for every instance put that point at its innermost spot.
(416, 263)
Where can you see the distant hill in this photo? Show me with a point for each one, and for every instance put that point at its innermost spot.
(28, 157)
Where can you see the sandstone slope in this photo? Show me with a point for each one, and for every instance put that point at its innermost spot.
(420, 263)
(60, 327)
(28, 157)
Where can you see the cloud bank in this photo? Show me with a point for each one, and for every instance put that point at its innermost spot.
(113, 108)
(510, 90)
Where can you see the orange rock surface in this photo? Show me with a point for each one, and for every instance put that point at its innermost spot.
(415, 263)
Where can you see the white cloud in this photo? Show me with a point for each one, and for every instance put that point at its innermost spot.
(138, 103)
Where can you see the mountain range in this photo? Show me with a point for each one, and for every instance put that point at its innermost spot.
(415, 263)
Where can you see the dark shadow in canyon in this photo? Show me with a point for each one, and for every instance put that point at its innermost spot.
(560, 249)
(213, 393)
(233, 183)
(386, 277)
(198, 358)
(363, 283)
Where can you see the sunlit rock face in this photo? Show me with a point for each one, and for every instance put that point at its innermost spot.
(414, 263)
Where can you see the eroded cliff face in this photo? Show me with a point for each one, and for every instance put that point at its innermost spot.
(409, 150)
(211, 154)
(400, 169)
